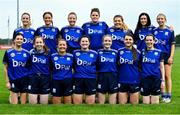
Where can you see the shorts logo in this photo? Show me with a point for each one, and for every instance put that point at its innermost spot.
(78, 54)
(54, 90)
(142, 90)
(91, 55)
(13, 86)
(93, 89)
(29, 87)
(119, 85)
(99, 86)
(55, 58)
(12, 54)
(74, 87)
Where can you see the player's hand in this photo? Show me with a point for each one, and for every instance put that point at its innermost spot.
(170, 61)
(8, 85)
(162, 84)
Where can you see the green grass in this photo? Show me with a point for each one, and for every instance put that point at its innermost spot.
(162, 108)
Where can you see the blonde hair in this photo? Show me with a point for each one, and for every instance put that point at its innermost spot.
(124, 26)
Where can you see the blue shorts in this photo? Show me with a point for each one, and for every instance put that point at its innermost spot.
(61, 87)
(150, 86)
(166, 57)
(84, 86)
(19, 85)
(39, 84)
(107, 83)
(130, 88)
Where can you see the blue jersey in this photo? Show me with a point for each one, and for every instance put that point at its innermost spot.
(17, 63)
(164, 39)
(129, 68)
(107, 60)
(140, 36)
(62, 66)
(117, 37)
(95, 32)
(85, 64)
(50, 34)
(28, 37)
(72, 36)
(39, 62)
(150, 62)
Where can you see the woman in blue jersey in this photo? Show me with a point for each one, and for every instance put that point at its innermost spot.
(118, 31)
(27, 31)
(152, 73)
(84, 73)
(49, 32)
(165, 41)
(95, 29)
(16, 71)
(39, 73)
(62, 63)
(72, 33)
(107, 67)
(143, 28)
(129, 75)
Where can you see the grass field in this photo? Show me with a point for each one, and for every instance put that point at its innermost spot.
(162, 108)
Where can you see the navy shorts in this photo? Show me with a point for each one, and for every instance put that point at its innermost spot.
(84, 86)
(150, 86)
(61, 87)
(130, 88)
(39, 84)
(107, 83)
(166, 57)
(19, 85)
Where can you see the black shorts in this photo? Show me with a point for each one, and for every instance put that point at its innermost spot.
(84, 86)
(107, 83)
(39, 84)
(130, 88)
(19, 85)
(61, 87)
(166, 57)
(150, 86)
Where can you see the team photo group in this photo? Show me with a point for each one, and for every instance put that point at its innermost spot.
(92, 63)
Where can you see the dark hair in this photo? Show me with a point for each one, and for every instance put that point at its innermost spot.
(72, 13)
(150, 35)
(44, 47)
(84, 36)
(17, 34)
(95, 10)
(49, 14)
(139, 25)
(134, 50)
(25, 13)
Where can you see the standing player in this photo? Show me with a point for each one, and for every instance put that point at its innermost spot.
(143, 28)
(62, 74)
(16, 72)
(107, 78)
(129, 75)
(72, 33)
(27, 31)
(152, 72)
(165, 41)
(49, 32)
(118, 31)
(39, 80)
(95, 29)
(84, 73)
